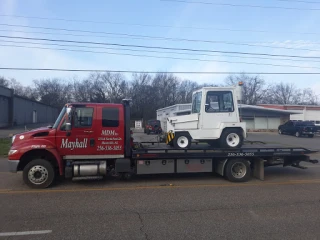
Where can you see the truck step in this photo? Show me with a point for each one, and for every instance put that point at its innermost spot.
(87, 178)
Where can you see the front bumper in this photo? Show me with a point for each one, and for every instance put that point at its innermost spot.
(13, 165)
(305, 133)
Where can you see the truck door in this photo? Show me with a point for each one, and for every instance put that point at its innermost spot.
(219, 108)
(290, 128)
(80, 143)
(110, 131)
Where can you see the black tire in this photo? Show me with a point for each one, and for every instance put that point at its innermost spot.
(238, 170)
(297, 134)
(182, 141)
(225, 139)
(311, 135)
(148, 132)
(42, 167)
(280, 131)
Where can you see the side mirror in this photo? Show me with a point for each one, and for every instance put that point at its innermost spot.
(68, 126)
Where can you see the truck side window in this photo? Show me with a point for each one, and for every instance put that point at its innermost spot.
(196, 102)
(110, 117)
(83, 117)
(219, 102)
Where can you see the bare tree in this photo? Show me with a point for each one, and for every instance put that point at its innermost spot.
(307, 97)
(165, 88)
(141, 92)
(254, 88)
(283, 93)
(116, 87)
(98, 88)
(4, 82)
(185, 90)
(82, 90)
(55, 92)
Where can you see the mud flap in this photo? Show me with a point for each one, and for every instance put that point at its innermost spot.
(258, 169)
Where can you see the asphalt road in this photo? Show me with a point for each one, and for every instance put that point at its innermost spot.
(202, 206)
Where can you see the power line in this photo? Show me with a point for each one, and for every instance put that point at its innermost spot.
(161, 57)
(242, 5)
(151, 25)
(154, 51)
(151, 72)
(159, 47)
(136, 36)
(133, 36)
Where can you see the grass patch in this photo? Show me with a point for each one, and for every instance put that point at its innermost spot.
(4, 146)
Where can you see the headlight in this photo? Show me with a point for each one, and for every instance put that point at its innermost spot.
(12, 152)
(13, 138)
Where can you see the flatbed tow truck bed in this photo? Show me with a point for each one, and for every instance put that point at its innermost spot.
(153, 158)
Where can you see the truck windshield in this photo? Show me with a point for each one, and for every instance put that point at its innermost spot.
(61, 115)
(196, 102)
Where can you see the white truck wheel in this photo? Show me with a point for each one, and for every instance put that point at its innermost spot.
(231, 138)
(181, 141)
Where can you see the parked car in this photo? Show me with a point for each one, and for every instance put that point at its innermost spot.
(298, 128)
(153, 126)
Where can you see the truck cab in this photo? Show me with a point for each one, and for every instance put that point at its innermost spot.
(214, 119)
(85, 141)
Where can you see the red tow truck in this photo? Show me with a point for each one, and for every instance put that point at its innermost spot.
(93, 140)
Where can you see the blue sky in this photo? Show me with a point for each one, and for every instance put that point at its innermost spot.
(283, 28)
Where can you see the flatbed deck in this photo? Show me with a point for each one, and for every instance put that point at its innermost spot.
(162, 151)
(156, 157)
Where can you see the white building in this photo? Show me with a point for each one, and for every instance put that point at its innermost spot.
(305, 112)
(307, 115)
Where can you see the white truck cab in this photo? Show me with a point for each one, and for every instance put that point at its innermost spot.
(214, 119)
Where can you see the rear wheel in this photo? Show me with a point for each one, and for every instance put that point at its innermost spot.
(231, 138)
(181, 141)
(39, 173)
(298, 134)
(238, 170)
(311, 135)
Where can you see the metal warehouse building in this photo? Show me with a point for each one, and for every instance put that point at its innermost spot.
(16, 110)
(260, 118)
(257, 118)
(307, 112)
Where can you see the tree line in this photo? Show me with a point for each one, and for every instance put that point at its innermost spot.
(150, 92)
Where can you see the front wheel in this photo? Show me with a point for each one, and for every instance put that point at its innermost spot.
(181, 141)
(39, 173)
(280, 131)
(298, 134)
(231, 138)
(238, 170)
(311, 135)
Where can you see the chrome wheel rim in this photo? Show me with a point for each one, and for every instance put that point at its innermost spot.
(233, 139)
(183, 142)
(38, 174)
(238, 170)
